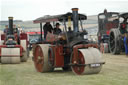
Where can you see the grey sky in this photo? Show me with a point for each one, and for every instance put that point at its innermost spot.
(32, 9)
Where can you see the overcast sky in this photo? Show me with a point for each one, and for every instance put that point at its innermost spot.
(32, 9)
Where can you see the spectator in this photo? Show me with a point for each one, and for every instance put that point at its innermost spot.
(20, 29)
(15, 30)
(126, 43)
(6, 29)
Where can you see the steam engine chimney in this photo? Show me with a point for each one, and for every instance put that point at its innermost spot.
(10, 25)
(75, 19)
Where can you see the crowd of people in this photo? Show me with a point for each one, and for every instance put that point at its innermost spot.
(16, 29)
(47, 28)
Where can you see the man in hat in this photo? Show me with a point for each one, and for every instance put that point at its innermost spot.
(57, 30)
(47, 28)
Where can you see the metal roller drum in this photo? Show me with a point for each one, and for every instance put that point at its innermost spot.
(10, 55)
(24, 58)
(41, 58)
(10, 60)
(92, 60)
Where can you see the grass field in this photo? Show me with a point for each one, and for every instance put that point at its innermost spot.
(114, 72)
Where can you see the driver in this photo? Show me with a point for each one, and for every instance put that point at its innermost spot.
(57, 29)
(47, 29)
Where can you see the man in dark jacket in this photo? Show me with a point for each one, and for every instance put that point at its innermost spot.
(57, 30)
(47, 28)
(6, 29)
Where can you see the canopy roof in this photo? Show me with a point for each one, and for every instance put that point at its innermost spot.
(109, 13)
(60, 18)
(124, 15)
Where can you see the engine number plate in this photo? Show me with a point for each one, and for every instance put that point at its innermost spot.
(95, 65)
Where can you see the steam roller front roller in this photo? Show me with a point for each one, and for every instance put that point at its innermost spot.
(89, 61)
(10, 55)
(24, 58)
(41, 58)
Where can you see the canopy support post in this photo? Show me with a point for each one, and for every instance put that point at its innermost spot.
(41, 32)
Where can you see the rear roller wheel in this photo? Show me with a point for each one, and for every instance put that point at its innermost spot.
(41, 58)
(88, 57)
(114, 44)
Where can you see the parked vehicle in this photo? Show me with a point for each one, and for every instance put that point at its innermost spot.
(116, 40)
(14, 46)
(106, 21)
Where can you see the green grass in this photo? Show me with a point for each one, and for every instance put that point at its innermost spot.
(114, 72)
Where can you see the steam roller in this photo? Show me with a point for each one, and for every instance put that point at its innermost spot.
(13, 49)
(69, 50)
